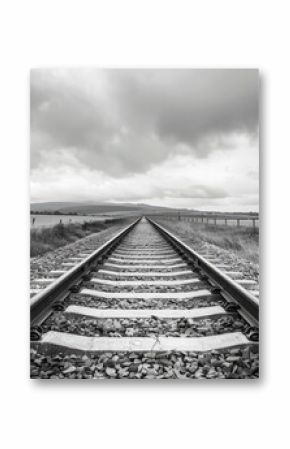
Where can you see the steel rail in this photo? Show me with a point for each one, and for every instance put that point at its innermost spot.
(230, 289)
(42, 303)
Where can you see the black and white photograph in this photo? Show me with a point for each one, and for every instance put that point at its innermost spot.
(144, 223)
(144, 251)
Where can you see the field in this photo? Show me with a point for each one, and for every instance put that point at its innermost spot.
(43, 220)
(47, 239)
(243, 241)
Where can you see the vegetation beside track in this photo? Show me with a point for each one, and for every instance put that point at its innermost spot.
(43, 240)
(242, 241)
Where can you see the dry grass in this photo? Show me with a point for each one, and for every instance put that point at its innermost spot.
(242, 241)
(47, 239)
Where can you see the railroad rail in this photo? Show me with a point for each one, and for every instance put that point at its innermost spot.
(43, 303)
(150, 306)
(230, 289)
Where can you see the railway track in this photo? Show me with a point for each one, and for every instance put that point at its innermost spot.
(145, 305)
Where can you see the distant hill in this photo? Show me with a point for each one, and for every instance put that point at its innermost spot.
(51, 206)
(100, 208)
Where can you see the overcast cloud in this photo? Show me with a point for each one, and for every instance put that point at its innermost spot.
(183, 138)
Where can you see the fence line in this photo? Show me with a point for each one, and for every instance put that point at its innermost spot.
(212, 219)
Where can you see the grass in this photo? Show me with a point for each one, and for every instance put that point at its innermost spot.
(242, 241)
(43, 240)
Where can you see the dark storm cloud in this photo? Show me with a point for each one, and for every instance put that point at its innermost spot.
(141, 117)
(63, 116)
(189, 105)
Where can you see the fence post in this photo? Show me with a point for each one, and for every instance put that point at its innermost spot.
(238, 222)
(254, 224)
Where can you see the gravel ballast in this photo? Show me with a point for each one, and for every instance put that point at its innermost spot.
(230, 364)
(40, 266)
(52, 361)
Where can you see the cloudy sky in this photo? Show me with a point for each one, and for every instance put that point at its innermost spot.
(181, 138)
